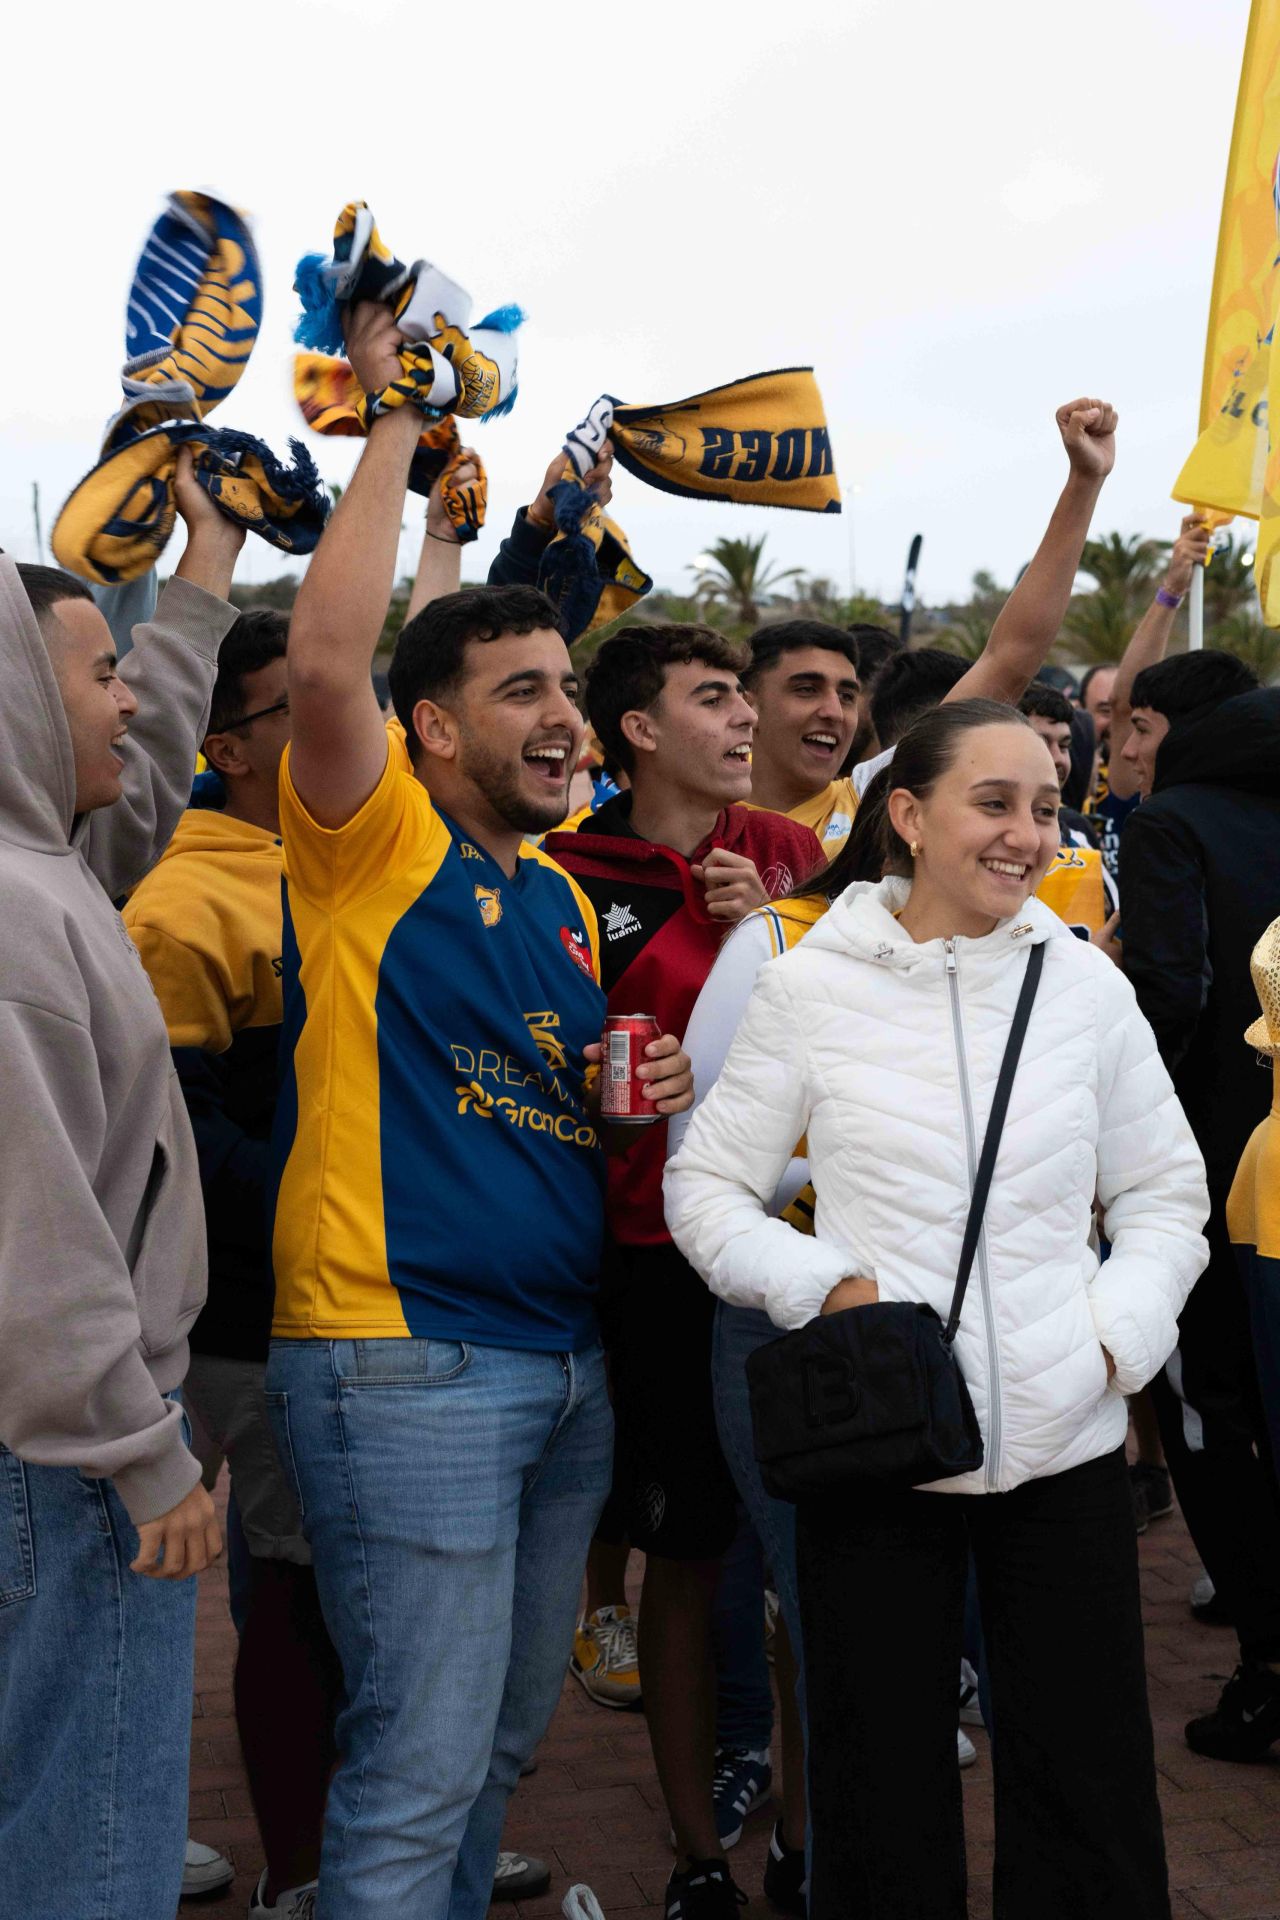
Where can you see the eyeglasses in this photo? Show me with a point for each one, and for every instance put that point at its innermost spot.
(247, 719)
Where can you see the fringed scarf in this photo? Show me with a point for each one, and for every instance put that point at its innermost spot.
(446, 365)
(192, 318)
(329, 395)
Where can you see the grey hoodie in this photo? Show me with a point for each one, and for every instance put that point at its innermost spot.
(102, 1244)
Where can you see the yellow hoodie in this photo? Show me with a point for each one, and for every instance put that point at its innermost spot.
(207, 921)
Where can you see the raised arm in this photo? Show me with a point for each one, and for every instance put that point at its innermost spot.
(1149, 642)
(440, 561)
(338, 750)
(1032, 616)
(171, 668)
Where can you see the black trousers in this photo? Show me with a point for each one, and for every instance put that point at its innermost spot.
(882, 1578)
(1217, 1444)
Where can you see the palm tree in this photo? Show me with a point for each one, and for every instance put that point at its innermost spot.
(1228, 582)
(966, 634)
(969, 627)
(1100, 624)
(1126, 565)
(1245, 636)
(730, 574)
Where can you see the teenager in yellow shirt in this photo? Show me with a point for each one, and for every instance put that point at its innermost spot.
(803, 683)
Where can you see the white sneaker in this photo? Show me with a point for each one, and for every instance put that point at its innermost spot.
(204, 1871)
(519, 1876)
(966, 1752)
(970, 1706)
(295, 1903)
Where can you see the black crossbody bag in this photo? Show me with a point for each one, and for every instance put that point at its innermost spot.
(875, 1394)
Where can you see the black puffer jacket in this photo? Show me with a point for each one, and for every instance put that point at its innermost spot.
(1199, 882)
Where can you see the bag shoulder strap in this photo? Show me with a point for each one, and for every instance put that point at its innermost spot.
(995, 1127)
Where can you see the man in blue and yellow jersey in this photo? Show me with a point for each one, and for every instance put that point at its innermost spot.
(803, 683)
(435, 1377)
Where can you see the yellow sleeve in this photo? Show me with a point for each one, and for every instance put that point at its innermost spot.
(334, 867)
(399, 746)
(191, 995)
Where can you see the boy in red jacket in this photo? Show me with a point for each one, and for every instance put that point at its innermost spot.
(670, 866)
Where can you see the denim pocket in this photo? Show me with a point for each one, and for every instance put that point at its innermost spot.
(17, 1553)
(282, 1434)
(400, 1363)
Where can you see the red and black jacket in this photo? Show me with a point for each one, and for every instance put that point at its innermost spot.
(658, 944)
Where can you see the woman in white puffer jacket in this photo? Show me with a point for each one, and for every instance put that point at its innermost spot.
(880, 1037)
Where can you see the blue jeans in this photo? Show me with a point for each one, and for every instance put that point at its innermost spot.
(449, 1494)
(96, 1673)
(744, 1697)
(738, 1332)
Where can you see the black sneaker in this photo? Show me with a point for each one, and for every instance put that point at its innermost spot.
(1245, 1724)
(785, 1887)
(1152, 1490)
(704, 1891)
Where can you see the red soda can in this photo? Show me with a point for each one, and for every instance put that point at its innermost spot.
(625, 1037)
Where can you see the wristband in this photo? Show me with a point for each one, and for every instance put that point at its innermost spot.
(1166, 599)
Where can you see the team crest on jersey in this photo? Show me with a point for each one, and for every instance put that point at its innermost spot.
(777, 880)
(574, 941)
(489, 901)
(549, 1044)
(619, 922)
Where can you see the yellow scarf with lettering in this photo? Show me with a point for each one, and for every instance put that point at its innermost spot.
(761, 441)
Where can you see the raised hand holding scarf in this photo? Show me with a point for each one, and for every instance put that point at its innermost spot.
(192, 318)
(446, 365)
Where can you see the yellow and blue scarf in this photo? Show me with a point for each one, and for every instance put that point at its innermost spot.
(192, 318)
(446, 366)
(587, 568)
(329, 395)
(762, 441)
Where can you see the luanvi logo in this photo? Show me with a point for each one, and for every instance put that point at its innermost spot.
(619, 922)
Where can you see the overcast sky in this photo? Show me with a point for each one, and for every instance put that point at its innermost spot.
(961, 214)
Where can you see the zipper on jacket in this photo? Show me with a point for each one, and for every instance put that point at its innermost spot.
(971, 1150)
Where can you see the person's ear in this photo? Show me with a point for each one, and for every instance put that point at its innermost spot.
(639, 731)
(225, 754)
(436, 729)
(905, 815)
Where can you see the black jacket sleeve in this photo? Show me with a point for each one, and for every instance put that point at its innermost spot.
(1164, 926)
(233, 1164)
(517, 560)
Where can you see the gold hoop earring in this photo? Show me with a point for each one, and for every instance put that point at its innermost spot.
(915, 849)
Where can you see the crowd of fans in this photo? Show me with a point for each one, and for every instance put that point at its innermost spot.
(466, 1345)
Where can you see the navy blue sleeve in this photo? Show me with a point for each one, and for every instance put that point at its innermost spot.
(233, 1164)
(518, 559)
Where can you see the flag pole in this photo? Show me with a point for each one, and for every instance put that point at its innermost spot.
(1195, 610)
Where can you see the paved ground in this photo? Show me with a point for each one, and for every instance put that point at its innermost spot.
(593, 1809)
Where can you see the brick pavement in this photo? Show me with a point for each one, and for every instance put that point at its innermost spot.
(594, 1812)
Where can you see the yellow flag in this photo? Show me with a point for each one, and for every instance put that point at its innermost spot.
(1231, 469)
